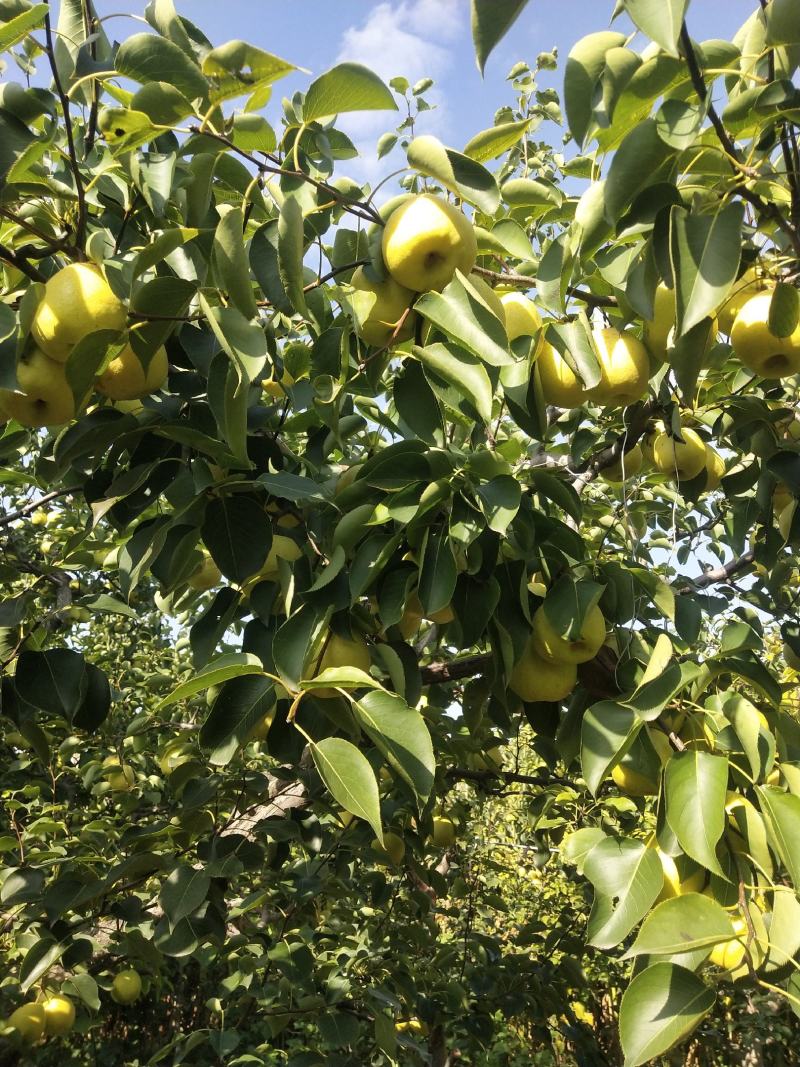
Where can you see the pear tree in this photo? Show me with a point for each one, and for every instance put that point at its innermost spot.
(330, 511)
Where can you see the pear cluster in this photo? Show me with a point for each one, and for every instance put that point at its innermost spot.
(52, 1017)
(548, 667)
(77, 301)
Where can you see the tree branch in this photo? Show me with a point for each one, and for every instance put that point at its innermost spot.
(719, 574)
(18, 261)
(80, 229)
(34, 504)
(510, 278)
(467, 667)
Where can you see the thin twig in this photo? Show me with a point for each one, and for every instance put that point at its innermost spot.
(34, 504)
(510, 278)
(18, 261)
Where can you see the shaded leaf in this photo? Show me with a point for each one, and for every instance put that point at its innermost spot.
(659, 1008)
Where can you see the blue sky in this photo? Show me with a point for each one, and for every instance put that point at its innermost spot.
(413, 38)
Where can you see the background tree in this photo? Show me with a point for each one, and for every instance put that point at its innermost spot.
(336, 569)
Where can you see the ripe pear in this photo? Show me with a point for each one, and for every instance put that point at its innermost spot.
(126, 987)
(77, 301)
(393, 848)
(674, 886)
(444, 831)
(560, 386)
(29, 1022)
(262, 727)
(425, 240)
(125, 378)
(206, 576)
(715, 469)
(550, 645)
(341, 652)
(489, 296)
(59, 1015)
(377, 307)
(751, 282)
(535, 678)
(682, 460)
(757, 347)
(45, 397)
(728, 955)
(120, 776)
(282, 547)
(657, 330)
(624, 368)
(629, 779)
(626, 467)
(522, 316)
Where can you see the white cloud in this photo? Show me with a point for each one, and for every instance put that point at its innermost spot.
(410, 39)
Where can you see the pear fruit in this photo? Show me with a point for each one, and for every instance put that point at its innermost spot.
(282, 547)
(560, 386)
(624, 368)
(631, 780)
(658, 329)
(552, 646)
(393, 848)
(44, 398)
(425, 241)
(626, 467)
(206, 576)
(751, 282)
(120, 776)
(444, 831)
(757, 347)
(341, 652)
(522, 316)
(681, 459)
(728, 955)
(378, 306)
(715, 469)
(29, 1022)
(535, 678)
(126, 379)
(674, 885)
(59, 1015)
(77, 301)
(126, 987)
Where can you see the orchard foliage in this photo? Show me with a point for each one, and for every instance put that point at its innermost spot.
(279, 606)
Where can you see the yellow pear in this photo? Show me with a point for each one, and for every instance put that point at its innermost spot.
(411, 1026)
(341, 652)
(658, 329)
(522, 316)
(715, 469)
(682, 460)
(126, 987)
(535, 678)
(674, 885)
(624, 368)
(489, 296)
(444, 831)
(29, 1022)
(630, 779)
(120, 776)
(262, 727)
(346, 478)
(45, 397)
(77, 301)
(425, 241)
(626, 467)
(377, 308)
(206, 576)
(559, 385)
(729, 954)
(393, 848)
(760, 350)
(552, 646)
(750, 283)
(782, 497)
(411, 618)
(125, 379)
(59, 1015)
(282, 547)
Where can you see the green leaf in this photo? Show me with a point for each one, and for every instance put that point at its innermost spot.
(290, 252)
(162, 245)
(239, 707)
(161, 103)
(784, 310)
(400, 733)
(782, 811)
(456, 172)
(659, 1008)
(438, 573)
(238, 533)
(627, 877)
(54, 681)
(347, 87)
(291, 487)
(585, 64)
(499, 500)
(38, 960)
(228, 665)
(573, 340)
(696, 785)
(21, 25)
(637, 163)
(349, 779)
(491, 21)
(682, 924)
(491, 143)
(466, 374)
(607, 731)
(145, 57)
(14, 139)
(528, 192)
(236, 67)
(183, 892)
(253, 133)
(783, 23)
(461, 312)
(661, 20)
(244, 342)
(784, 929)
(232, 264)
(704, 253)
(577, 845)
